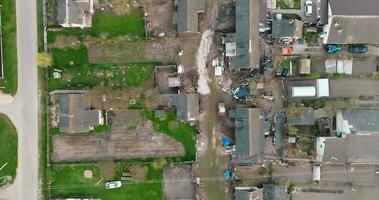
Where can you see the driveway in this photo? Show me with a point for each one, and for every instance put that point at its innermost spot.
(23, 111)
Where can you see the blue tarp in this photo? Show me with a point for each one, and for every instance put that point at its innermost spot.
(226, 141)
(227, 174)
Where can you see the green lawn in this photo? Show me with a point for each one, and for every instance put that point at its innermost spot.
(282, 4)
(88, 76)
(183, 132)
(8, 148)
(68, 181)
(70, 57)
(109, 25)
(8, 21)
(42, 132)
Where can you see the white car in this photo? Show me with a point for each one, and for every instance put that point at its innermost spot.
(113, 184)
(308, 8)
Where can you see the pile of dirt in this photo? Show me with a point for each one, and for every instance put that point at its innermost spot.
(138, 171)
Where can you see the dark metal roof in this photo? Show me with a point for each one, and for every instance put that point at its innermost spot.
(324, 10)
(186, 15)
(287, 28)
(247, 193)
(249, 131)
(279, 120)
(243, 26)
(354, 7)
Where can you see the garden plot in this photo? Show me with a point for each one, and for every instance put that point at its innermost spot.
(135, 139)
(159, 18)
(121, 51)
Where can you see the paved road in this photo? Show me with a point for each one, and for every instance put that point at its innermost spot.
(23, 111)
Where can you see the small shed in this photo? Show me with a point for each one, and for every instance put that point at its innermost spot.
(174, 82)
(303, 91)
(304, 66)
(322, 86)
(316, 173)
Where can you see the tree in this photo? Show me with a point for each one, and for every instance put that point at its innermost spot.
(44, 59)
(291, 129)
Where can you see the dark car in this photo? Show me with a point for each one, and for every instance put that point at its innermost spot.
(358, 48)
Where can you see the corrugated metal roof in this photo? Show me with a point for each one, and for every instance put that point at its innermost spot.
(187, 105)
(186, 15)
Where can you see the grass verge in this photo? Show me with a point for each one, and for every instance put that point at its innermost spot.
(8, 26)
(42, 133)
(8, 149)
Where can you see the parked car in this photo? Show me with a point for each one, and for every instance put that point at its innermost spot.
(359, 48)
(333, 48)
(113, 185)
(308, 8)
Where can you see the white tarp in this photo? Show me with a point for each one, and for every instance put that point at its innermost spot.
(303, 91)
(322, 86)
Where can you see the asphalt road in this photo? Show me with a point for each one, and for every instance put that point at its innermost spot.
(23, 111)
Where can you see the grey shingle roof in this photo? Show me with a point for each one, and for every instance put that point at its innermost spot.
(75, 12)
(353, 30)
(306, 119)
(187, 105)
(249, 130)
(352, 149)
(75, 115)
(287, 28)
(363, 120)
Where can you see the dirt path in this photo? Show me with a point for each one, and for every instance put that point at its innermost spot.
(201, 62)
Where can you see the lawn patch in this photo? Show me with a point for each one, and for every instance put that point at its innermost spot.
(8, 26)
(107, 25)
(70, 56)
(89, 76)
(69, 181)
(183, 133)
(8, 149)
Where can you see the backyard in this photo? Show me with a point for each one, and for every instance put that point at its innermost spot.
(8, 26)
(8, 150)
(69, 181)
(106, 25)
(115, 76)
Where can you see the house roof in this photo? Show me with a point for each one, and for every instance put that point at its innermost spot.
(279, 120)
(249, 130)
(75, 13)
(354, 7)
(352, 149)
(343, 29)
(306, 119)
(359, 121)
(75, 115)
(186, 15)
(187, 105)
(324, 12)
(247, 193)
(274, 192)
(243, 35)
(287, 28)
(304, 66)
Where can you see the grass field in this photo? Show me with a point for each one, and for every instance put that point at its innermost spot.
(182, 132)
(88, 76)
(68, 181)
(8, 148)
(8, 25)
(70, 56)
(109, 25)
